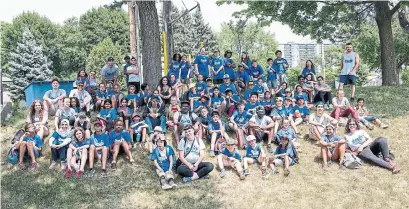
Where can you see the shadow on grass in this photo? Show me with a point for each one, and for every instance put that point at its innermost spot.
(130, 186)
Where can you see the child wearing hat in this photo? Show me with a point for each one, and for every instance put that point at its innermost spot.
(138, 129)
(163, 158)
(99, 145)
(154, 138)
(254, 154)
(203, 102)
(283, 156)
(230, 157)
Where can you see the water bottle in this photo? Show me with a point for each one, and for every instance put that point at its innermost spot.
(138, 137)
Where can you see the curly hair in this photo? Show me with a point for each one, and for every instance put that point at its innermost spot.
(74, 137)
(32, 110)
(347, 130)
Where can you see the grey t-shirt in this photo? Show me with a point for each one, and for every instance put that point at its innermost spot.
(194, 154)
(54, 94)
(109, 72)
(186, 120)
(264, 121)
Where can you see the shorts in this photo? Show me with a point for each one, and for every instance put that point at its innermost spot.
(218, 81)
(347, 79)
(272, 84)
(278, 162)
(36, 153)
(370, 118)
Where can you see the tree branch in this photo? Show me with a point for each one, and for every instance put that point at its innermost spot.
(395, 8)
(403, 61)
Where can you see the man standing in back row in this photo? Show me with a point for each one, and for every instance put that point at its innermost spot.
(349, 66)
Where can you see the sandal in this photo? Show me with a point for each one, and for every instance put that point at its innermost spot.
(68, 174)
(21, 166)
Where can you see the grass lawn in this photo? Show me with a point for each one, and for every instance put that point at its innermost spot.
(307, 186)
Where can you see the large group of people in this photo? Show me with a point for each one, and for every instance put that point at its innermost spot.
(212, 102)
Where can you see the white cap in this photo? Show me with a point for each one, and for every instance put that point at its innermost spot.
(250, 137)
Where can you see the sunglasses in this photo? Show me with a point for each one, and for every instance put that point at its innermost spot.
(320, 106)
(352, 124)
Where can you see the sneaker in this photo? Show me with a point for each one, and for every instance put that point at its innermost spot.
(331, 106)
(166, 186)
(212, 154)
(63, 166)
(242, 176)
(370, 126)
(352, 100)
(68, 174)
(131, 161)
(113, 165)
(104, 173)
(78, 175)
(324, 167)
(286, 172)
(222, 173)
(326, 106)
(395, 169)
(21, 166)
(270, 148)
(52, 165)
(91, 172)
(383, 126)
(34, 166)
(187, 179)
(246, 172)
(172, 183)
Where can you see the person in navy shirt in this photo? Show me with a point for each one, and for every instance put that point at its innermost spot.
(229, 65)
(256, 71)
(230, 157)
(283, 156)
(239, 123)
(174, 66)
(31, 143)
(309, 68)
(271, 75)
(99, 145)
(227, 85)
(254, 155)
(230, 101)
(163, 158)
(280, 65)
(120, 138)
(242, 79)
(185, 70)
(202, 64)
(259, 87)
(217, 67)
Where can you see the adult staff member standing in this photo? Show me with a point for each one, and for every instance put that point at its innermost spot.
(349, 66)
(202, 64)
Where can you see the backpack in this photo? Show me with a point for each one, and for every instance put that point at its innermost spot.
(17, 136)
(190, 116)
(167, 151)
(351, 161)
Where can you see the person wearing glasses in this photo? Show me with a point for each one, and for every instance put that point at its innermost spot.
(191, 154)
(323, 93)
(83, 96)
(332, 147)
(362, 145)
(318, 121)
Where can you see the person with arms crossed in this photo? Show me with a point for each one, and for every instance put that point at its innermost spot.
(349, 66)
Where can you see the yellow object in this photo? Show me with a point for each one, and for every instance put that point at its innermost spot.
(201, 43)
(165, 56)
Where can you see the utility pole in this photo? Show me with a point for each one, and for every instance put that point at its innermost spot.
(323, 60)
(132, 31)
(167, 27)
(138, 48)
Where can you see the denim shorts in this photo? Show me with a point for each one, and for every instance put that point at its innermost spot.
(347, 79)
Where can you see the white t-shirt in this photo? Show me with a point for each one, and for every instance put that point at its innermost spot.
(342, 102)
(194, 154)
(355, 140)
(264, 121)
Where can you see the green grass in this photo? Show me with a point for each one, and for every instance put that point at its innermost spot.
(307, 186)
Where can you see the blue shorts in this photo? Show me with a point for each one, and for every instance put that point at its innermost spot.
(370, 118)
(347, 79)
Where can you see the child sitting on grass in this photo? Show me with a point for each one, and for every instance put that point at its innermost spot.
(230, 157)
(254, 155)
(283, 156)
(31, 143)
(138, 129)
(366, 118)
(77, 152)
(163, 158)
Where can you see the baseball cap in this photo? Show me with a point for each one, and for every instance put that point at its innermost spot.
(98, 123)
(158, 128)
(136, 114)
(226, 76)
(250, 137)
(82, 115)
(230, 141)
(185, 102)
(110, 59)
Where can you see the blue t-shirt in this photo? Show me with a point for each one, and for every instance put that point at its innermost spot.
(223, 88)
(280, 112)
(81, 143)
(256, 72)
(184, 67)
(36, 140)
(259, 89)
(163, 160)
(108, 114)
(306, 71)
(132, 97)
(103, 95)
(141, 96)
(278, 65)
(100, 140)
(58, 139)
(213, 126)
(254, 152)
(201, 87)
(233, 99)
(235, 153)
(217, 101)
(288, 149)
(242, 76)
(241, 118)
(289, 132)
(217, 62)
(203, 63)
(190, 94)
(247, 94)
(229, 70)
(303, 110)
(271, 75)
(267, 103)
(174, 69)
(197, 103)
(137, 126)
(121, 136)
(303, 95)
(250, 106)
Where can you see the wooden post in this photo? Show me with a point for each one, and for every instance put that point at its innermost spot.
(132, 31)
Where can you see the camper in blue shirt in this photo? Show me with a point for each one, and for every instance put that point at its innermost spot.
(283, 156)
(230, 157)
(259, 88)
(202, 63)
(245, 61)
(254, 155)
(30, 141)
(227, 85)
(251, 106)
(164, 159)
(242, 78)
(203, 102)
(229, 65)
(248, 91)
(286, 130)
(309, 68)
(300, 111)
(109, 114)
(216, 130)
(239, 123)
(217, 67)
(120, 138)
(98, 148)
(174, 66)
(280, 65)
(185, 69)
(217, 100)
(271, 75)
(256, 71)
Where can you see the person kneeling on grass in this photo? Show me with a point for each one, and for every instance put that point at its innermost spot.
(230, 157)
(332, 147)
(58, 144)
(120, 138)
(191, 154)
(77, 153)
(99, 148)
(31, 143)
(163, 158)
(283, 156)
(254, 154)
(365, 117)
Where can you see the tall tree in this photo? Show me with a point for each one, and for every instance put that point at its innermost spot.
(27, 63)
(335, 20)
(99, 54)
(184, 36)
(43, 30)
(203, 33)
(151, 49)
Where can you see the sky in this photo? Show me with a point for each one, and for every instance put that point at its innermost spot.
(213, 14)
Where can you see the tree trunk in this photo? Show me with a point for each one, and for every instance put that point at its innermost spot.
(132, 31)
(151, 51)
(390, 74)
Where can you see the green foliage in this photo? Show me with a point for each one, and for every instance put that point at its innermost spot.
(405, 75)
(43, 30)
(99, 54)
(100, 23)
(203, 33)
